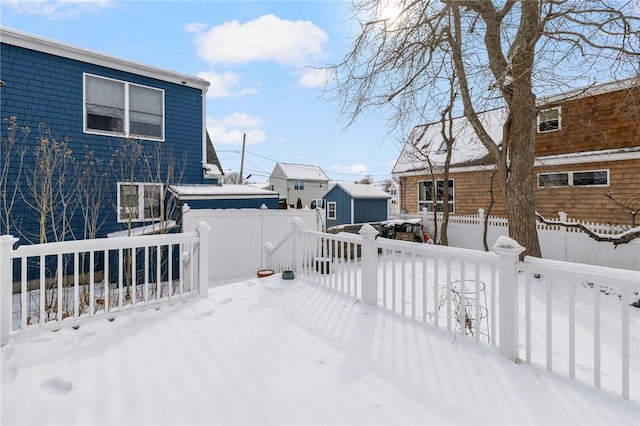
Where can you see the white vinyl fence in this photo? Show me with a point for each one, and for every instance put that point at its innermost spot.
(556, 242)
(238, 236)
(65, 283)
(489, 296)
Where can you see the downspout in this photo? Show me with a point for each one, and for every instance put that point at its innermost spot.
(204, 128)
(352, 211)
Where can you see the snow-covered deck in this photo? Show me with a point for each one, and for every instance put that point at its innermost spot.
(273, 351)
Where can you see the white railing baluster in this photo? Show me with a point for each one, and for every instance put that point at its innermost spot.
(527, 319)
(146, 274)
(76, 284)
(477, 296)
(120, 278)
(424, 289)
(625, 343)
(448, 294)
(572, 330)
(436, 298)
(23, 295)
(60, 288)
(107, 287)
(596, 336)
(549, 324)
(463, 300)
(493, 310)
(413, 286)
(92, 285)
(403, 280)
(43, 290)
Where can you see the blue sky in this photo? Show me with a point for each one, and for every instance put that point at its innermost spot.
(256, 54)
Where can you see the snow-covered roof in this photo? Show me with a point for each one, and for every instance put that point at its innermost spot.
(153, 228)
(426, 141)
(302, 171)
(358, 190)
(199, 191)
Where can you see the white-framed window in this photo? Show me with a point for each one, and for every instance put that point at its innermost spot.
(433, 198)
(580, 178)
(549, 120)
(298, 185)
(139, 202)
(122, 108)
(317, 203)
(331, 210)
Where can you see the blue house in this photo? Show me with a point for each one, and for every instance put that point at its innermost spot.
(91, 143)
(349, 203)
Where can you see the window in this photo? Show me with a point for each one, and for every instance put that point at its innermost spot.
(298, 185)
(331, 210)
(139, 201)
(434, 199)
(549, 120)
(117, 107)
(318, 203)
(587, 178)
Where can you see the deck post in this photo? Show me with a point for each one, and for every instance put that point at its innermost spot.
(6, 286)
(296, 246)
(203, 229)
(369, 264)
(508, 251)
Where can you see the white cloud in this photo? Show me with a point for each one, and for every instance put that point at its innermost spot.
(229, 130)
(267, 38)
(314, 77)
(353, 169)
(195, 27)
(57, 8)
(225, 85)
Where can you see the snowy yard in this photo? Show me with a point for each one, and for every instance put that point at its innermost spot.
(270, 351)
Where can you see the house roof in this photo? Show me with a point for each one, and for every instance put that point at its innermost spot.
(426, 141)
(212, 159)
(41, 44)
(362, 191)
(302, 171)
(201, 192)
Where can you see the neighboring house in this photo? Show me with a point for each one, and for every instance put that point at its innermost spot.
(349, 203)
(587, 147)
(123, 129)
(393, 201)
(299, 182)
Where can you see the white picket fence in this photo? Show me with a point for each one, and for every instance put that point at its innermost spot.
(490, 296)
(556, 242)
(64, 283)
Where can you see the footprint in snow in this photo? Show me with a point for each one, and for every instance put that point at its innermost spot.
(201, 315)
(225, 301)
(56, 386)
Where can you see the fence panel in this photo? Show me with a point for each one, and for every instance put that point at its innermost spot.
(238, 236)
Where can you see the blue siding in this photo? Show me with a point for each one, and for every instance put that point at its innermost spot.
(41, 87)
(365, 210)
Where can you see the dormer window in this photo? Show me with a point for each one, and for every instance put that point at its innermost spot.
(549, 120)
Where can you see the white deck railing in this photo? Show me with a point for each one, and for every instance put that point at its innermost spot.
(47, 285)
(489, 296)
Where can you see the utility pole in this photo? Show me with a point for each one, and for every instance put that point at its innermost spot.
(244, 139)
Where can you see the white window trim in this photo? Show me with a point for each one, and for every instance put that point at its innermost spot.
(538, 121)
(452, 202)
(125, 133)
(335, 210)
(298, 185)
(570, 179)
(140, 203)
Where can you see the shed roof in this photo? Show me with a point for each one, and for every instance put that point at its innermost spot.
(202, 191)
(302, 172)
(362, 191)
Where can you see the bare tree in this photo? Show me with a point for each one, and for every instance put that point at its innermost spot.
(14, 150)
(232, 178)
(504, 53)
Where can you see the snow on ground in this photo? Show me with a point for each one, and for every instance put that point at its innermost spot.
(271, 351)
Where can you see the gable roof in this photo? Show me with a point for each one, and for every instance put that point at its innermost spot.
(426, 141)
(302, 172)
(362, 191)
(212, 158)
(41, 44)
